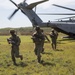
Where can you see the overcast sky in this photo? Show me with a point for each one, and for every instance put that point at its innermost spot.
(20, 20)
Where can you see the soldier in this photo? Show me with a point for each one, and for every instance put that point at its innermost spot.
(53, 36)
(15, 41)
(44, 40)
(38, 38)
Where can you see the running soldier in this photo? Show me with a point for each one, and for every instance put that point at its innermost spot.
(44, 40)
(15, 41)
(53, 36)
(38, 39)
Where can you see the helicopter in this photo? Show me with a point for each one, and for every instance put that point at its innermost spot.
(66, 27)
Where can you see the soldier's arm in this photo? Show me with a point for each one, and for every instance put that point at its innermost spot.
(50, 34)
(47, 38)
(9, 40)
(19, 41)
(33, 38)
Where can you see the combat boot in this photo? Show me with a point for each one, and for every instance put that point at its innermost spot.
(14, 63)
(39, 59)
(21, 57)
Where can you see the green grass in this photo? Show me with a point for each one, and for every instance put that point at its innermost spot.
(60, 62)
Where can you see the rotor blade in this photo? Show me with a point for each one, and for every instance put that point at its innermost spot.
(13, 14)
(32, 5)
(66, 18)
(63, 7)
(56, 13)
(14, 3)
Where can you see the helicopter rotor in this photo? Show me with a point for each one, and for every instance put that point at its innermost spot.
(10, 17)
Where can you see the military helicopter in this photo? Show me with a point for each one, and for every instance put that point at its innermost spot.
(67, 27)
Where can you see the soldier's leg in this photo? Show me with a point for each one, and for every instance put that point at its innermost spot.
(17, 54)
(13, 57)
(39, 48)
(52, 45)
(42, 47)
(55, 45)
(54, 42)
(42, 50)
(39, 59)
(35, 49)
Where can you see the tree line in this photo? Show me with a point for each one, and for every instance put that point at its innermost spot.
(22, 30)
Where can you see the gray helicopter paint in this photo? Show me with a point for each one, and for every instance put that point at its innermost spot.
(35, 20)
(33, 17)
(68, 27)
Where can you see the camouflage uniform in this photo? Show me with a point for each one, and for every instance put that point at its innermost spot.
(45, 37)
(53, 36)
(15, 41)
(38, 39)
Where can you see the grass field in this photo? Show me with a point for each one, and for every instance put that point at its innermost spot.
(59, 62)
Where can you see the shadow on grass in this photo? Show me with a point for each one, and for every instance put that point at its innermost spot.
(47, 53)
(22, 64)
(59, 42)
(48, 63)
(67, 39)
(58, 50)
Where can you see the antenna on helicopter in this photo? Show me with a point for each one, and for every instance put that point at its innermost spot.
(35, 9)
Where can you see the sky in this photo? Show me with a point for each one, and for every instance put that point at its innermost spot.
(20, 20)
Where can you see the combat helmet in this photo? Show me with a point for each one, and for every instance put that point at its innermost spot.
(37, 28)
(52, 30)
(12, 31)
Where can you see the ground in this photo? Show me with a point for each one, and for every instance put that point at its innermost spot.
(59, 62)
